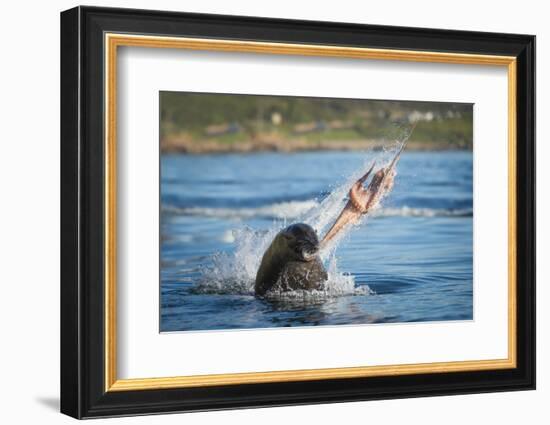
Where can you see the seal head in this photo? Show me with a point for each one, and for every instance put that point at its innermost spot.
(302, 241)
(291, 262)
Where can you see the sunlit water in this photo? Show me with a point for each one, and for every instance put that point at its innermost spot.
(411, 260)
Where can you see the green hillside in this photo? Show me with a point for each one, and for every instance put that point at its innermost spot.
(196, 122)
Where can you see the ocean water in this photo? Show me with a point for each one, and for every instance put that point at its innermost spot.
(409, 261)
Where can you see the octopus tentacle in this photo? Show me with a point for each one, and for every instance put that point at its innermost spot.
(362, 200)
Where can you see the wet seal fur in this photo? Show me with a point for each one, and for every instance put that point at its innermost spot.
(291, 262)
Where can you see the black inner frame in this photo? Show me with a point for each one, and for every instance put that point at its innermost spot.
(82, 212)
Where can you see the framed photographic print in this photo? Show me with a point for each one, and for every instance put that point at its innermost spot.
(261, 212)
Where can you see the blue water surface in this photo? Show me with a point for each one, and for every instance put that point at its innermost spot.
(417, 259)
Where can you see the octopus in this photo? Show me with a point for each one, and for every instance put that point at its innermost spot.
(292, 261)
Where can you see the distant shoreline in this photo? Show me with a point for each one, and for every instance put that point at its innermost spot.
(213, 146)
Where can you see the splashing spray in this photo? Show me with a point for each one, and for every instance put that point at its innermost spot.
(235, 273)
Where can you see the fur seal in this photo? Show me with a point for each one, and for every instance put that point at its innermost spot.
(292, 260)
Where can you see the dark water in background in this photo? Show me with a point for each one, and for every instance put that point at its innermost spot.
(415, 254)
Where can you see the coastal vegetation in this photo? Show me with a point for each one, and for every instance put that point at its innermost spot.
(208, 123)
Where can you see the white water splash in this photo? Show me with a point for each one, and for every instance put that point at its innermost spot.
(235, 273)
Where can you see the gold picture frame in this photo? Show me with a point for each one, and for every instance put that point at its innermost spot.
(114, 41)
